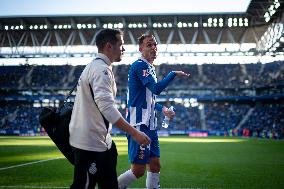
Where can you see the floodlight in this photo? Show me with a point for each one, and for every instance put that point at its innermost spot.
(277, 44)
(209, 20)
(110, 25)
(119, 25)
(277, 5)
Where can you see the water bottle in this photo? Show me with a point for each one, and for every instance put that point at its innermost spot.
(166, 120)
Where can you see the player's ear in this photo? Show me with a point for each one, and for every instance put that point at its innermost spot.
(108, 45)
(140, 48)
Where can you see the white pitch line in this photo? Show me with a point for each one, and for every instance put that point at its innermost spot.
(54, 187)
(30, 163)
(37, 187)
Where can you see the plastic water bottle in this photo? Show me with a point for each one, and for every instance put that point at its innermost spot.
(166, 120)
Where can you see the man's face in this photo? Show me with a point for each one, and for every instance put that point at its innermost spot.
(149, 49)
(118, 49)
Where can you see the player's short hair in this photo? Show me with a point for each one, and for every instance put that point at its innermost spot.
(142, 37)
(105, 36)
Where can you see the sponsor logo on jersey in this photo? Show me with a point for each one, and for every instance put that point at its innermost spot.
(145, 73)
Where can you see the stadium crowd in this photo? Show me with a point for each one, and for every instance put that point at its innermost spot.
(259, 118)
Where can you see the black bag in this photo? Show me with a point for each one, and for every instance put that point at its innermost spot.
(56, 121)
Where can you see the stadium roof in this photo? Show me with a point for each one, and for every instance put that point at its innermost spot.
(26, 34)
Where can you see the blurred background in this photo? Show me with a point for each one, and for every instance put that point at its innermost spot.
(233, 50)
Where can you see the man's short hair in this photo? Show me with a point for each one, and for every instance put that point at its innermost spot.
(142, 37)
(105, 36)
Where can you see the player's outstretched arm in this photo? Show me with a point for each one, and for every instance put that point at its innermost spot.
(181, 73)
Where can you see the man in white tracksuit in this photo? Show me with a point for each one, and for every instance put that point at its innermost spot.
(95, 152)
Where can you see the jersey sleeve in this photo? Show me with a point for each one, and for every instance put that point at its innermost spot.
(103, 96)
(158, 107)
(158, 87)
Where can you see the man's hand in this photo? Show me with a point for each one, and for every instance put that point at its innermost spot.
(141, 138)
(181, 73)
(170, 114)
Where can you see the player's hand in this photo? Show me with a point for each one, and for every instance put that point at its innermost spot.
(170, 114)
(181, 73)
(141, 138)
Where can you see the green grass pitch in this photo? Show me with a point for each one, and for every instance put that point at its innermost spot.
(195, 163)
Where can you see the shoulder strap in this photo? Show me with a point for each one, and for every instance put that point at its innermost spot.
(91, 89)
(105, 120)
(70, 92)
(67, 96)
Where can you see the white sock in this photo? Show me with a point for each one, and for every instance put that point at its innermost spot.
(153, 180)
(125, 179)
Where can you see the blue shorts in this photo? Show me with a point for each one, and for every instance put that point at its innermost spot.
(141, 155)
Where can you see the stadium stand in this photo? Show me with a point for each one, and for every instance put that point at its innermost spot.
(232, 99)
(221, 98)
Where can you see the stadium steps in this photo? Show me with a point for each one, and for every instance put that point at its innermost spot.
(69, 78)
(245, 118)
(26, 79)
(245, 73)
(202, 118)
(201, 74)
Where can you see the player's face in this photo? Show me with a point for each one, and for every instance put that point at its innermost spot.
(118, 49)
(149, 49)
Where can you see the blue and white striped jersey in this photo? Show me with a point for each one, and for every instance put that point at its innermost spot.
(142, 91)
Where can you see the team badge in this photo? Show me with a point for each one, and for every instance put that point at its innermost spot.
(93, 168)
(105, 72)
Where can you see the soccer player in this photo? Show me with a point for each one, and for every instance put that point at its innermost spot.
(143, 88)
